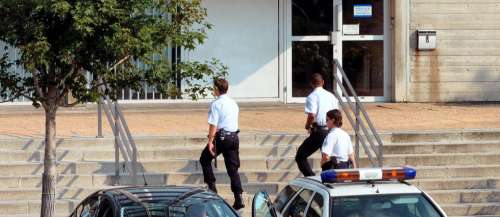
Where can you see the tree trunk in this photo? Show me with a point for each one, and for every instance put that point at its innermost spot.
(49, 171)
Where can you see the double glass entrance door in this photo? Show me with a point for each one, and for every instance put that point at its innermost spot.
(352, 31)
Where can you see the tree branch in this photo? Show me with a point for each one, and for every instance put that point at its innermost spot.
(17, 96)
(38, 88)
(119, 62)
(36, 81)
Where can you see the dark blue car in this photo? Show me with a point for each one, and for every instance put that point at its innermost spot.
(165, 201)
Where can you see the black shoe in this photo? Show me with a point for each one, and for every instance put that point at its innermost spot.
(212, 188)
(238, 202)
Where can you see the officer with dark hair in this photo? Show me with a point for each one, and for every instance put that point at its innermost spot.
(318, 103)
(337, 151)
(223, 138)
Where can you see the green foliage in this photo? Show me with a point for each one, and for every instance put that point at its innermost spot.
(124, 42)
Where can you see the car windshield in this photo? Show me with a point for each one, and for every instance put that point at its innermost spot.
(412, 205)
(188, 208)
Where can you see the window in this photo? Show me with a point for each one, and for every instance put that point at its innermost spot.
(201, 207)
(414, 205)
(89, 207)
(105, 209)
(298, 206)
(284, 196)
(316, 207)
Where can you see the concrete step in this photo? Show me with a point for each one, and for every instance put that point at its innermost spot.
(458, 171)
(69, 180)
(290, 164)
(279, 151)
(251, 139)
(457, 183)
(150, 141)
(443, 136)
(441, 196)
(466, 196)
(32, 207)
(90, 174)
(248, 163)
(78, 193)
(472, 209)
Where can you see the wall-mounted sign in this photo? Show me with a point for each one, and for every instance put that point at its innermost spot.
(362, 11)
(351, 29)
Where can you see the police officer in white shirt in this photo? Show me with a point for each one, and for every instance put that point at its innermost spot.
(337, 151)
(223, 138)
(318, 103)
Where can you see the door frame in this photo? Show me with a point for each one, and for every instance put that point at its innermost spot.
(286, 23)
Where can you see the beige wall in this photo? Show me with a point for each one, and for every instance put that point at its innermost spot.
(466, 64)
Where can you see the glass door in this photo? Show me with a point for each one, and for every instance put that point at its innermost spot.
(352, 31)
(311, 48)
(365, 47)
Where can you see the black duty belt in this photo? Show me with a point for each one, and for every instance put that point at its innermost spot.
(223, 132)
(321, 127)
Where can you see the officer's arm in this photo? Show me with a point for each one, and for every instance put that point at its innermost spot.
(353, 160)
(310, 120)
(324, 158)
(212, 129)
(311, 109)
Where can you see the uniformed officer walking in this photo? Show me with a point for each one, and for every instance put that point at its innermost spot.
(223, 138)
(337, 151)
(318, 103)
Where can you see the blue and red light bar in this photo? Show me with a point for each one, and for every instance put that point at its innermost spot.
(368, 174)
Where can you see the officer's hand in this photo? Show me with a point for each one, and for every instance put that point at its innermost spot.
(211, 148)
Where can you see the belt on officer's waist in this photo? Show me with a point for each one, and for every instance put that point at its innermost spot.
(227, 133)
(338, 160)
(321, 127)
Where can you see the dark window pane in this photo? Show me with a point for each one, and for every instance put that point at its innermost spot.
(373, 25)
(308, 58)
(384, 205)
(312, 17)
(283, 197)
(316, 207)
(363, 62)
(298, 206)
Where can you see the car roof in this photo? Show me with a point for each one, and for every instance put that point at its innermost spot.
(152, 194)
(362, 188)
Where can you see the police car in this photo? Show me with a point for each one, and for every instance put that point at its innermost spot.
(370, 192)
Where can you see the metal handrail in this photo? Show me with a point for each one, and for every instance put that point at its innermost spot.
(124, 142)
(361, 120)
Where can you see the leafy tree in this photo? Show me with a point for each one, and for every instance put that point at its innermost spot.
(59, 40)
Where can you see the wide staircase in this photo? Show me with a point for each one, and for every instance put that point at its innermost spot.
(461, 170)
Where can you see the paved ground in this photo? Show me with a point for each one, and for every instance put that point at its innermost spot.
(186, 119)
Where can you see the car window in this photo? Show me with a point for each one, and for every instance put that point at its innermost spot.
(284, 196)
(89, 207)
(105, 209)
(413, 205)
(298, 206)
(316, 207)
(195, 207)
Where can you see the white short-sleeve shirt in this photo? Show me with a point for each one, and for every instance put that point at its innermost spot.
(319, 102)
(223, 113)
(337, 143)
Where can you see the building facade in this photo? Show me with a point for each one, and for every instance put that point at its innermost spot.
(272, 46)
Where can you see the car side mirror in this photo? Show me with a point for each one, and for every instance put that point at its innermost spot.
(262, 206)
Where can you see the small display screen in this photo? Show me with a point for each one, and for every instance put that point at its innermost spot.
(362, 11)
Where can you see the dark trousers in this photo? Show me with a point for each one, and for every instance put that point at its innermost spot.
(229, 147)
(334, 164)
(307, 148)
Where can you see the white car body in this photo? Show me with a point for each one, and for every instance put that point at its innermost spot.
(356, 189)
